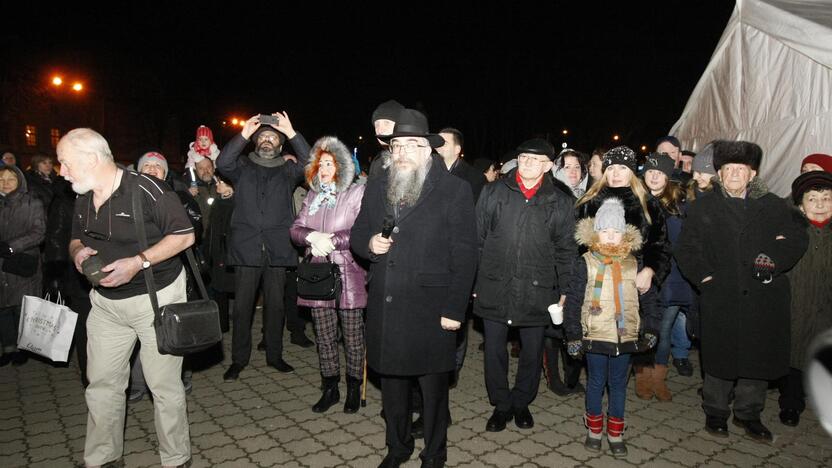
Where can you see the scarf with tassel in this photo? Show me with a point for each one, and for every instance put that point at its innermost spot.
(326, 196)
(617, 287)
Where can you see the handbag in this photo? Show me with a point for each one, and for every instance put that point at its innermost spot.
(185, 327)
(46, 327)
(21, 264)
(319, 281)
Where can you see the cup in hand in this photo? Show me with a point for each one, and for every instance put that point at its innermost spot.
(556, 312)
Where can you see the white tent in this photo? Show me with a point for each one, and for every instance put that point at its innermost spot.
(769, 81)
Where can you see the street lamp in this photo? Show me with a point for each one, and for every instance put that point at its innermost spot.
(77, 87)
(616, 137)
(644, 147)
(565, 131)
(57, 80)
(234, 121)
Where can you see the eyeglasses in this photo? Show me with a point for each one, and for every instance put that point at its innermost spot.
(268, 137)
(98, 235)
(407, 147)
(531, 160)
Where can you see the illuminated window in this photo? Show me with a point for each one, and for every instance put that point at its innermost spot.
(55, 135)
(31, 135)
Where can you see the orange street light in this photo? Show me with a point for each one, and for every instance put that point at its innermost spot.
(77, 87)
(234, 121)
(565, 131)
(616, 137)
(644, 147)
(57, 80)
(242, 123)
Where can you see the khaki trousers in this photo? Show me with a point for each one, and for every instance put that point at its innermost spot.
(112, 329)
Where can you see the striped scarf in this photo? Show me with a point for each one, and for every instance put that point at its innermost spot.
(617, 284)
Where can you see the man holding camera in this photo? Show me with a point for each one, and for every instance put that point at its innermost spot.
(260, 248)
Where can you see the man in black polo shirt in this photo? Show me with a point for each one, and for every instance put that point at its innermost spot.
(260, 249)
(103, 229)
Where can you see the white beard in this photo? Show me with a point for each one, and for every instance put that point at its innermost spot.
(405, 186)
(82, 187)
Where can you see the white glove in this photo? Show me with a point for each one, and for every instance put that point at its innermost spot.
(321, 243)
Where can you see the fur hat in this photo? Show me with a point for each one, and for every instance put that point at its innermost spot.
(620, 155)
(704, 161)
(737, 152)
(812, 180)
(388, 110)
(152, 155)
(610, 215)
(822, 160)
(660, 162)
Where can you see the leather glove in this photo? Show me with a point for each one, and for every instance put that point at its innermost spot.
(320, 242)
(763, 268)
(5, 250)
(575, 348)
(650, 340)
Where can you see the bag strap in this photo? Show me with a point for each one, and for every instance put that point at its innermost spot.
(141, 234)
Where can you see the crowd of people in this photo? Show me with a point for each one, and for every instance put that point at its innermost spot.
(609, 262)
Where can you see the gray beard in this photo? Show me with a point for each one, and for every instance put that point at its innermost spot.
(266, 154)
(404, 187)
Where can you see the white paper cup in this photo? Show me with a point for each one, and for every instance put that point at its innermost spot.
(556, 312)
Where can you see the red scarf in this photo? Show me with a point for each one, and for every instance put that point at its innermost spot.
(527, 192)
(820, 224)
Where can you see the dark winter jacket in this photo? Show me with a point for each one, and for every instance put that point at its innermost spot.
(744, 322)
(655, 252)
(466, 172)
(263, 204)
(426, 275)
(22, 226)
(215, 245)
(59, 222)
(527, 250)
(675, 290)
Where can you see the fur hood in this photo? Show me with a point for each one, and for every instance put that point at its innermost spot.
(756, 188)
(343, 159)
(585, 235)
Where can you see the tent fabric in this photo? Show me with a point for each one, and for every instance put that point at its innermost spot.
(769, 81)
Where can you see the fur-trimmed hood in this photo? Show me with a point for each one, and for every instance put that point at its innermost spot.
(585, 235)
(343, 159)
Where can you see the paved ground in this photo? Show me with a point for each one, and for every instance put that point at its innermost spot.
(264, 419)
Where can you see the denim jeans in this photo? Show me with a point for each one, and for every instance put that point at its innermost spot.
(673, 337)
(603, 370)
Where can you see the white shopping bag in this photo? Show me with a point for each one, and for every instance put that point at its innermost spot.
(46, 328)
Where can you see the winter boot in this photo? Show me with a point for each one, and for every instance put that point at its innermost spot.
(353, 400)
(330, 394)
(594, 432)
(660, 384)
(644, 384)
(615, 436)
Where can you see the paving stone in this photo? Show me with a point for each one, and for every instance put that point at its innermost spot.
(224, 453)
(302, 447)
(683, 457)
(48, 452)
(255, 444)
(272, 457)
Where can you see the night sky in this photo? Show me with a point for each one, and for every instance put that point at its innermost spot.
(501, 74)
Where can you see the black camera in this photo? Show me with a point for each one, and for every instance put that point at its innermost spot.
(267, 119)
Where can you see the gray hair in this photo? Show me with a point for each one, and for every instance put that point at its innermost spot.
(88, 142)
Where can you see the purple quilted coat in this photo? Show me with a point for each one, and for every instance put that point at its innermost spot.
(338, 221)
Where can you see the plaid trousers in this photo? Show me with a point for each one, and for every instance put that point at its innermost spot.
(326, 335)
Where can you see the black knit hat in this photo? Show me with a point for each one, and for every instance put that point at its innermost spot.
(268, 128)
(660, 162)
(620, 155)
(536, 146)
(737, 152)
(388, 110)
(807, 181)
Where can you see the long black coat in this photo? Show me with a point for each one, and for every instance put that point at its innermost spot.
(744, 323)
(468, 173)
(263, 210)
(527, 251)
(426, 275)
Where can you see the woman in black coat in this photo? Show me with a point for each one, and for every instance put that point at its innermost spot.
(645, 213)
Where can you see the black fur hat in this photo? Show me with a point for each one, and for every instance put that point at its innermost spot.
(737, 152)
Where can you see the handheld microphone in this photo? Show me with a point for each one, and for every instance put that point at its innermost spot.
(387, 227)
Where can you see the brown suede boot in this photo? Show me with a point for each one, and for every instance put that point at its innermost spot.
(659, 383)
(644, 382)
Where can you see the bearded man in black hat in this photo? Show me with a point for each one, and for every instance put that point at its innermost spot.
(417, 228)
(526, 227)
(737, 242)
(260, 249)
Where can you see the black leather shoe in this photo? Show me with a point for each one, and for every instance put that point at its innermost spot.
(683, 367)
(353, 400)
(301, 340)
(754, 429)
(497, 421)
(523, 418)
(790, 417)
(282, 366)
(19, 358)
(6, 359)
(433, 463)
(393, 461)
(329, 395)
(233, 373)
(717, 427)
(417, 429)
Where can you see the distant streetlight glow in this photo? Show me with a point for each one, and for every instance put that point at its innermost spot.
(565, 131)
(616, 137)
(77, 87)
(644, 147)
(242, 123)
(57, 81)
(234, 121)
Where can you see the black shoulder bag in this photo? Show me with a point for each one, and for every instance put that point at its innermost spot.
(185, 327)
(319, 281)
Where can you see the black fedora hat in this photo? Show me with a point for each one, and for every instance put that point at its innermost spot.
(809, 181)
(412, 123)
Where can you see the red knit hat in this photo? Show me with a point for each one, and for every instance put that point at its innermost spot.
(206, 132)
(822, 160)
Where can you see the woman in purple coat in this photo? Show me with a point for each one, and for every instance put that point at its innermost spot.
(323, 227)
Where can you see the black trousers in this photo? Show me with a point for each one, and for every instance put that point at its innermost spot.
(792, 394)
(554, 350)
(749, 397)
(246, 281)
(396, 400)
(527, 380)
(294, 322)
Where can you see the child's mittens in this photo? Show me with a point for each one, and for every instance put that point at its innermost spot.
(575, 348)
(650, 340)
(763, 268)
